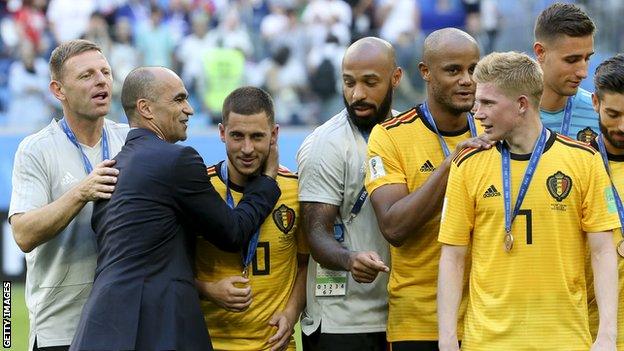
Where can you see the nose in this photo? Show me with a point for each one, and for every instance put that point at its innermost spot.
(465, 79)
(247, 147)
(188, 109)
(100, 78)
(359, 93)
(581, 71)
(478, 114)
(621, 124)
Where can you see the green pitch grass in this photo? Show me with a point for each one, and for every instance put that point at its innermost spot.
(19, 321)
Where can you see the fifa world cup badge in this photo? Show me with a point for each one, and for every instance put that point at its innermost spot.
(620, 248)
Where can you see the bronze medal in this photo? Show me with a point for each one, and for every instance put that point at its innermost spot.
(509, 241)
(620, 248)
(245, 272)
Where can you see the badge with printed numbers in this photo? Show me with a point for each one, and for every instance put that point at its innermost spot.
(330, 282)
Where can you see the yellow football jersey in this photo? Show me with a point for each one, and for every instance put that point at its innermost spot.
(272, 276)
(408, 150)
(616, 164)
(533, 297)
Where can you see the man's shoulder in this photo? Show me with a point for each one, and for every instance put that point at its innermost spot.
(120, 129)
(468, 154)
(400, 121)
(41, 140)
(575, 147)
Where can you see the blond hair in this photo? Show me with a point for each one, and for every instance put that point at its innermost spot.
(513, 72)
(67, 50)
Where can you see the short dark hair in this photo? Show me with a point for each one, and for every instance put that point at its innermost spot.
(67, 50)
(139, 84)
(248, 101)
(563, 19)
(609, 76)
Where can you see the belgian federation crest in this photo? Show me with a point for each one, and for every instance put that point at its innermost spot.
(284, 218)
(586, 135)
(559, 185)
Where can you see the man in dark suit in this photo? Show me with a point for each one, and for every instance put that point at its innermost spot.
(144, 297)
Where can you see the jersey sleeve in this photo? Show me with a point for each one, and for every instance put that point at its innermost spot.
(321, 172)
(458, 216)
(384, 161)
(599, 212)
(31, 183)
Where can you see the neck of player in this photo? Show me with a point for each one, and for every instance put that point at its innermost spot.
(446, 121)
(523, 137)
(610, 148)
(235, 177)
(551, 101)
(87, 131)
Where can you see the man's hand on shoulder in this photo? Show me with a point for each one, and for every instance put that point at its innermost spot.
(364, 266)
(231, 293)
(479, 142)
(100, 183)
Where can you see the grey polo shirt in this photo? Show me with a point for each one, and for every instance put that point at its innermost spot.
(332, 166)
(59, 273)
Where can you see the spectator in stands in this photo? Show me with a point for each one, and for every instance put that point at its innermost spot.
(231, 33)
(97, 32)
(31, 23)
(68, 19)
(125, 57)
(189, 52)
(29, 105)
(155, 41)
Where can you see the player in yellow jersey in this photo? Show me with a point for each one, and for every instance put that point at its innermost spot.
(528, 208)
(608, 101)
(406, 180)
(254, 305)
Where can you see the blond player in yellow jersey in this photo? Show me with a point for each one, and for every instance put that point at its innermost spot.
(406, 180)
(608, 101)
(528, 208)
(252, 301)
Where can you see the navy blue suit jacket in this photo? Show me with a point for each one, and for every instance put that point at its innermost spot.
(144, 295)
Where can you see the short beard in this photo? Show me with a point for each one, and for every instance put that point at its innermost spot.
(448, 105)
(366, 124)
(605, 132)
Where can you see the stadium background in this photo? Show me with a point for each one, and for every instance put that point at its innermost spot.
(292, 48)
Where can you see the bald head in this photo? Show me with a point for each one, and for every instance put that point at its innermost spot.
(142, 83)
(445, 39)
(371, 48)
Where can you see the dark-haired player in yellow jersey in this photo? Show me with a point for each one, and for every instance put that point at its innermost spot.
(254, 298)
(528, 208)
(409, 158)
(608, 101)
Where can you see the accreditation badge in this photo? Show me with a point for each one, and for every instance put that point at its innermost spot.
(330, 282)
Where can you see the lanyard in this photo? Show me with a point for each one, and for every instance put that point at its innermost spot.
(429, 118)
(538, 149)
(567, 116)
(253, 242)
(85, 160)
(362, 195)
(605, 160)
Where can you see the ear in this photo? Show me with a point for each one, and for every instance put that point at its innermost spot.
(396, 76)
(424, 71)
(143, 109)
(56, 88)
(523, 104)
(274, 134)
(540, 51)
(596, 102)
(222, 132)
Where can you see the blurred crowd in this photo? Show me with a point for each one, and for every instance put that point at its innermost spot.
(291, 48)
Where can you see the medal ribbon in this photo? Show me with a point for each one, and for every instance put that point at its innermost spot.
(85, 160)
(229, 199)
(429, 118)
(567, 116)
(538, 149)
(362, 195)
(605, 160)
